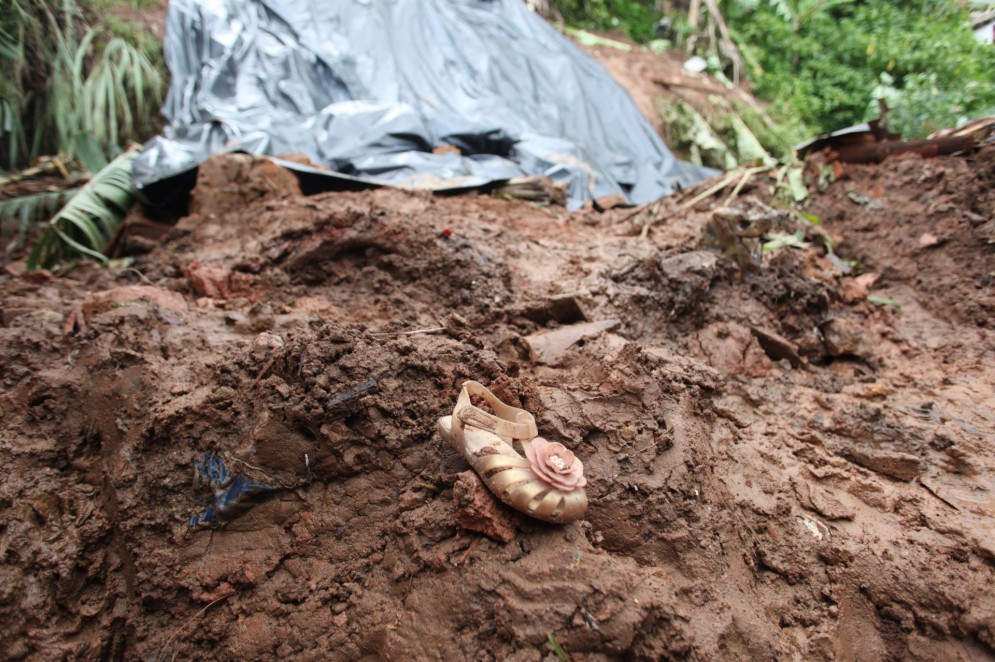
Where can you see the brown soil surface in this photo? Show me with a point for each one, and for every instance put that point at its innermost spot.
(775, 473)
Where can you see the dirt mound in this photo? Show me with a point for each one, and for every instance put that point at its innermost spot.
(776, 470)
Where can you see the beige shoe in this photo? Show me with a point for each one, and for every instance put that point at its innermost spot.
(547, 484)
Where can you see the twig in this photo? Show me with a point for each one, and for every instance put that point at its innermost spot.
(727, 43)
(235, 460)
(60, 167)
(434, 329)
(44, 168)
(937, 495)
(698, 86)
(266, 366)
(469, 549)
(694, 11)
(651, 218)
(191, 620)
(724, 182)
(636, 212)
(747, 176)
(140, 275)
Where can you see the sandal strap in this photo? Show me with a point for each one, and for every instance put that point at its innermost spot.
(509, 421)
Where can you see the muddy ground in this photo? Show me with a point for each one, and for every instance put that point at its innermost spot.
(779, 467)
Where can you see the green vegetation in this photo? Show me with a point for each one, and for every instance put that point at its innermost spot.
(79, 81)
(72, 85)
(826, 60)
(19, 215)
(89, 220)
(821, 63)
(633, 17)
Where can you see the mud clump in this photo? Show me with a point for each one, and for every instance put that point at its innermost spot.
(775, 470)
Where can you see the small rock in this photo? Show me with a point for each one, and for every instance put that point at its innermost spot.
(17, 268)
(676, 267)
(478, 510)
(777, 347)
(117, 297)
(550, 346)
(843, 337)
(268, 341)
(894, 464)
(210, 282)
(37, 277)
(730, 348)
(821, 501)
(411, 498)
(610, 202)
(313, 304)
(696, 64)
(857, 289)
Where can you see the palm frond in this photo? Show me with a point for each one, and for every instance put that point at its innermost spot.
(87, 223)
(18, 215)
(127, 79)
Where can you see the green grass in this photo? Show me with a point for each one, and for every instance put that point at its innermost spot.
(70, 86)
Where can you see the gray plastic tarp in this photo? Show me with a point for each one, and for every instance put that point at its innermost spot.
(369, 88)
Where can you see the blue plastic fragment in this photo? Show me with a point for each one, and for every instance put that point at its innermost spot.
(230, 491)
(211, 470)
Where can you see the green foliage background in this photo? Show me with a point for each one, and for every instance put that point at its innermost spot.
(821, 63)
(634, 17)
(76, 80)
(833, 64)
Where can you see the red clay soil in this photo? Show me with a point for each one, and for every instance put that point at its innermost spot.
(779, 468)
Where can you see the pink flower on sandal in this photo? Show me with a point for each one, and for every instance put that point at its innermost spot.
(555, 464)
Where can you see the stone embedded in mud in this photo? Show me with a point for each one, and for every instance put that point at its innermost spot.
(677, 267)
(101, 302)
(218, 282)
(819, 500)
(857, 289)
(731, 349)
(778, 347)
(894, 464)
(267, 342)
(478, 510)
(549, 347)
(846, 338)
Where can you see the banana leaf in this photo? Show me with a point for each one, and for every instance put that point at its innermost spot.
(85, 226)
